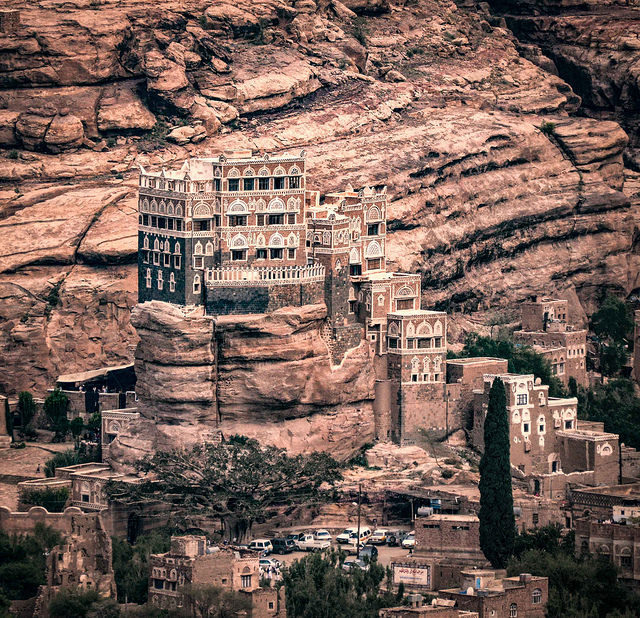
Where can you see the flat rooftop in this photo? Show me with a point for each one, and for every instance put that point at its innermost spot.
(475, 360)
(451, 517)
(417, 312)
(383, 276)
(629, 490)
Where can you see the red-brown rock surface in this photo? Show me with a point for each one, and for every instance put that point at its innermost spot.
(433, 100)
(268, 377)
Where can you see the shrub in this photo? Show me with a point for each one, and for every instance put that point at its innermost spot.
(69, 458)
(447, 474)
(12, 154)
(548, 128)
(54, 500)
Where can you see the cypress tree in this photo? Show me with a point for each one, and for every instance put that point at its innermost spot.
(497, 521)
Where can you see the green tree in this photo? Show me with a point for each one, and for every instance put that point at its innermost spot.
(617, 405)
(613, 320)
(26, 410)
(55, 409)
(23, 561)
(214, 602)
(82, 604)
(131, 564)
(613, 325)
(237, 480)
(77, 427)
(8, 418)
(522, 359)
(54, 500)
(317, 587)
(70, 457)
(497, 521)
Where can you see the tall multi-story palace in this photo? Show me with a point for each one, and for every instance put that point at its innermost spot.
(241, 233)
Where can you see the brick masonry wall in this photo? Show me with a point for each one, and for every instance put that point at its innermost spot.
(261, 299)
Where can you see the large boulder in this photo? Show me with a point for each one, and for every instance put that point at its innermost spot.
(64, 132)
(120, 109)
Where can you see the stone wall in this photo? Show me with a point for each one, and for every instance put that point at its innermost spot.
(24, 523)
(241, 300)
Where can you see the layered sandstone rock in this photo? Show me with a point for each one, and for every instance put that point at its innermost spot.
(267, 376)
(484, 204)
(595, 47)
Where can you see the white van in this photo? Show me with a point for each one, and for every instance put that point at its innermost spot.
(262, 545)
(345, 535)
(351, 547)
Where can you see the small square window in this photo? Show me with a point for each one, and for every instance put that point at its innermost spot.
(291, 218)
(247, 184)
(238, 255)
(263, 184)
(276, 254)
(294, 182)
(278, 183)
(291, 254)
(234, 184)
(261, 254)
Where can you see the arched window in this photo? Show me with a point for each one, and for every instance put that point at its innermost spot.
(248, 171)
(536, 597)
(160, 280)
(276, 240)
(437, 328)
(513, 611)
(176, 248)
(279, 171)
(209, 248)
(374, 214)
(196, 284)
(542, 422)
(156, 245)
(233, 173)
(172, 282)
(148, 277)
(145, 242)
(197, 250)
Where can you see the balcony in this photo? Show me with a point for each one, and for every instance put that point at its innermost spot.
(233, 276)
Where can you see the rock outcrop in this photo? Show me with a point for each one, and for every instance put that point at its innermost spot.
(442, 104)
(265, 376)
(594, 46)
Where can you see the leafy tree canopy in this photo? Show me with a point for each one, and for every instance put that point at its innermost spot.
(23, 562)
(53, 500)
(131, 564)
(522, 358)
(616, 404)
(613, 321)
(82, 604)
(70, 458)
(317, 587)
(237, 480)
(55, 409)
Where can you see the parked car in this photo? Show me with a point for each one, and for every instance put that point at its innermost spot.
(370, 552)
(354, 563)
(409, 542)
(266, 563)
(345, 535)
(294, 536)
(379, 536)
(322, 535)
(395, 537)
(365, 533)
(283, 546)
(308, 543)
(262, 545)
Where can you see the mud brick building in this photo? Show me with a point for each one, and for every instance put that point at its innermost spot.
(489, 594)
(191, 562)
(446, 544)
(545, 326)
(550, 448)
(617, 542)
(603, 502)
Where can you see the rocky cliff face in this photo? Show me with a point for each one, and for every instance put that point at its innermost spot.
(434, 100)
(593, 46)
(268, 377)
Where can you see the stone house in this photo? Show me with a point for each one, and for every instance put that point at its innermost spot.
(490, 594)
(190, 561)
(445, 545)
(618, 542)
(549, 447)
(545, 327)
